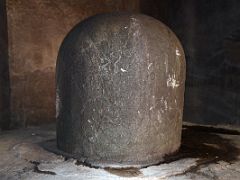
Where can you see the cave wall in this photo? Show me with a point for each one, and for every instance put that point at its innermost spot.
(210, 34)
(36, 30)
(4, 73)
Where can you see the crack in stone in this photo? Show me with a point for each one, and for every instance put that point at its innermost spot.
(37, 170)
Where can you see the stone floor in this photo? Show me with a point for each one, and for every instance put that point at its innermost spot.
(206, 153)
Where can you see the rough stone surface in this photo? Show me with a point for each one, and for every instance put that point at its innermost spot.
(120, 86)
(4, 70)
(23, 157)
(36, 30)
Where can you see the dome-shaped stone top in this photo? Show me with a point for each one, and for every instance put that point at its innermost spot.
(120, 86)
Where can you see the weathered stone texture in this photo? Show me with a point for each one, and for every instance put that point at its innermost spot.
(36, 29)
(120, 88)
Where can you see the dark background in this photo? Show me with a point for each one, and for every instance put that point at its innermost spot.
(4, 70)
(210, 33)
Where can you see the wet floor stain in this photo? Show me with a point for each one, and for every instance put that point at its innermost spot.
(37, 170)
(124, 172)
(206, 144)
(200, 142)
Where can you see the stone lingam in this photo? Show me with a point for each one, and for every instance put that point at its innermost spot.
(120, 91)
